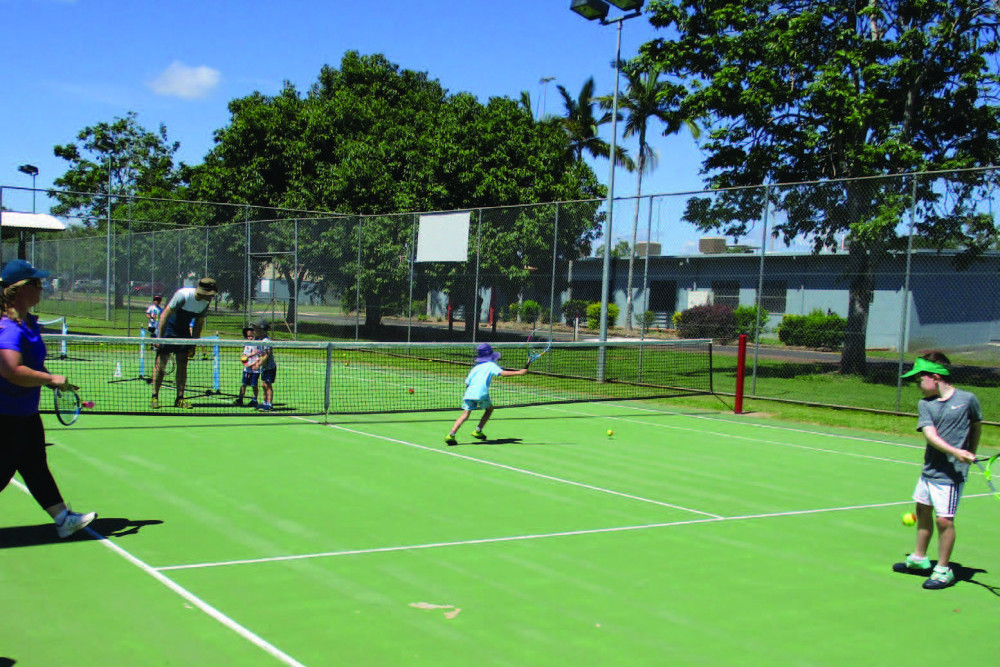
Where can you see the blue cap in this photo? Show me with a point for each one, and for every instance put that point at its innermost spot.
(17, 270)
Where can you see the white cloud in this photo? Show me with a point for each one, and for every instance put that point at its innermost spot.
(179, 80)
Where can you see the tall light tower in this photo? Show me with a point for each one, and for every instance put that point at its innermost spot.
(30, 170)
(597, 10)
(544, 81)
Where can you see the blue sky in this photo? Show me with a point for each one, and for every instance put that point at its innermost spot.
(69, 64)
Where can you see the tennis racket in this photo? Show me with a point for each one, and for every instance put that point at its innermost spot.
(68, 405)
(169, 364)
(537, 346)
(987, 472)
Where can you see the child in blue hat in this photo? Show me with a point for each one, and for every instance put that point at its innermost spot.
(477, 393)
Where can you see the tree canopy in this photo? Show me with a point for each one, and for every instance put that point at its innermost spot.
(796, 91)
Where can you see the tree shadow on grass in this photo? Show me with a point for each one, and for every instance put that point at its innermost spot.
(41, 534)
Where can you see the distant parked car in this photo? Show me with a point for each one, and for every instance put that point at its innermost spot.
(88, 285)
(152, 288)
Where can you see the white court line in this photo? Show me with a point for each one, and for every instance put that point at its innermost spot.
(523, 471)
(521, 538)
(242, 631)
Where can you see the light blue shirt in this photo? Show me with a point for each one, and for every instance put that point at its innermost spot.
(478, 380)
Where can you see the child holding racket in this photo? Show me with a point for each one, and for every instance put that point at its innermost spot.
(477, 393)
(22, 375)
(251, 370)
(950, 421)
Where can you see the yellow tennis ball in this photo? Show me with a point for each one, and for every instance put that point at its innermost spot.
(909, 519)
(610, 432)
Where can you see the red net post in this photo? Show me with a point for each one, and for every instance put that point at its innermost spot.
(741, 363)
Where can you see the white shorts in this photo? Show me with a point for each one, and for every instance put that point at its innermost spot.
(472, 404)
(942, 497)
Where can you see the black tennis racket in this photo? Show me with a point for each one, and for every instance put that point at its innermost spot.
(987, 472)
(538, 345)
(68, 405)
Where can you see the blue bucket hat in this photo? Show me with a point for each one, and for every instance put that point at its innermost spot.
(17, 270)
(485, 353)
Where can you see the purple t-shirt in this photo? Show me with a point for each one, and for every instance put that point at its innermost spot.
(26, 338)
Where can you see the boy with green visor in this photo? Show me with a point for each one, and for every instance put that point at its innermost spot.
(949, 419)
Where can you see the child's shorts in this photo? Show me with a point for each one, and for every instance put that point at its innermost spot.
(268, 374)
(942, 497)
(250, 378)
(472, 404)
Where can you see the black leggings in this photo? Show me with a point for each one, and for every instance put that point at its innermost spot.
(23, 451)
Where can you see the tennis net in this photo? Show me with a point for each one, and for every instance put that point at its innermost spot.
(315, 378)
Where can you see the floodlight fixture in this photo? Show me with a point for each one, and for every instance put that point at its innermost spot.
(627, 5)
(592, 10)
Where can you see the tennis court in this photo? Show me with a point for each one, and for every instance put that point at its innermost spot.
(687, 537)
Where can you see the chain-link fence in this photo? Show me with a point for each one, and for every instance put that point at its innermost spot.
(823, 277)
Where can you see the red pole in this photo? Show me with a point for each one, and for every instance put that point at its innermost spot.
(741, 362)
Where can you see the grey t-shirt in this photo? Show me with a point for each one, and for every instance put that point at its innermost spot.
(953, 420)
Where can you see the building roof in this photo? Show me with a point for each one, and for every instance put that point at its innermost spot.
(43, 221)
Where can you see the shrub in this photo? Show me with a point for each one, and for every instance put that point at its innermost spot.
(707, 322)
(530, 310)
(574, 308)
(675, 319)
(546, 315)
(644, 320)
(594, 315)
(746, 320)
(419, 308)
(509, 314)
(813, 330)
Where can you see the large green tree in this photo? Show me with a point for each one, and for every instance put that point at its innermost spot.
(114, 159)
(373, 139)
(796, 91)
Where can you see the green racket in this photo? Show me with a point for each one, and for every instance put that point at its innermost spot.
(987, 472)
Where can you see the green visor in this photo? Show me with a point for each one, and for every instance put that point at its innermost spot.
(921, 365)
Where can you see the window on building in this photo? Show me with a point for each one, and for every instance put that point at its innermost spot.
(726, 293)
(774, 295)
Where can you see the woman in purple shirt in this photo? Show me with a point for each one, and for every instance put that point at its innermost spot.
(22, 376)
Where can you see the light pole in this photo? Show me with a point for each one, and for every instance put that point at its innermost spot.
(544, 81)
(598, 10)
(30, 170)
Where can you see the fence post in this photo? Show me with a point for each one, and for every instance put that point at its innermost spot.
(741, 362)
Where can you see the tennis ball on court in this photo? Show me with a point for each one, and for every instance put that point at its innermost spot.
(909, 519)
(610, 433)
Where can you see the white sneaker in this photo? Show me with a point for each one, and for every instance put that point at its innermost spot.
(68, 521)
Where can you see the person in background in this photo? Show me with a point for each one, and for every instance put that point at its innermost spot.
(22, 376)
(183, 318)
(153, 315)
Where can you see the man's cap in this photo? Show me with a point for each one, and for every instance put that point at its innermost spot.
(207, 287)
(485, 353)
(921, 365)
(158, 297)
(17, 270)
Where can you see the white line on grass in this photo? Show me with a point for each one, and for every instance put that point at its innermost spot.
(247, 634)
(523, 471)
(522, 538)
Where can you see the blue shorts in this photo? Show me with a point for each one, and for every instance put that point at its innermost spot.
(268, 374)
(473, 404)
(250, 377)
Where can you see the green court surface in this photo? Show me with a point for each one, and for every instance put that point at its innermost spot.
(686, 538)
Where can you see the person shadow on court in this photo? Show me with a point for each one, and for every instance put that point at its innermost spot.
(41, 534)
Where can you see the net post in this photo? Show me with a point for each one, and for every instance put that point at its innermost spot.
(741, 359)
(62, 346)
(142, 353)
(329, 379)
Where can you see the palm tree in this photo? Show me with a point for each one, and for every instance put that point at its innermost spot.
(581, 126)
(646, 97)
